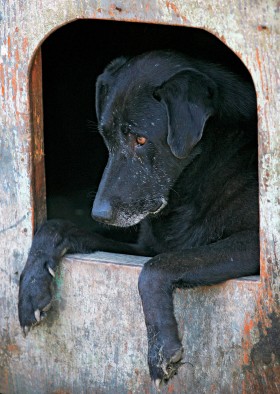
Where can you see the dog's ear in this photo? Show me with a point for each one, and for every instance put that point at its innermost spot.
(189, 97)
(103, 83)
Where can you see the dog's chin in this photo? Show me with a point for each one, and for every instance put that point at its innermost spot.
(125, 219)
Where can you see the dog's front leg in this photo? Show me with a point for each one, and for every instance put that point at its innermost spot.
(52, 241)
(233, 257)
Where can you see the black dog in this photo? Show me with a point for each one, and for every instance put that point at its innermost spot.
(181, 136)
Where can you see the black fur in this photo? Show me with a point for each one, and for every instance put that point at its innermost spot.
(192, 185)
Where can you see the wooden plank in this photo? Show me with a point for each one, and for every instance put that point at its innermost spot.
(95, 339)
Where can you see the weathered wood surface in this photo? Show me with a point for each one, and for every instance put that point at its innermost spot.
(94, 339)
(231, 332)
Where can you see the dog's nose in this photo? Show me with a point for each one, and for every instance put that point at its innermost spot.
(102, 211)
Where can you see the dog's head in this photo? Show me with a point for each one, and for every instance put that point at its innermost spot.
(151, 112)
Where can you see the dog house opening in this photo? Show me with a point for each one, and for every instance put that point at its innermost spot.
(72, 58)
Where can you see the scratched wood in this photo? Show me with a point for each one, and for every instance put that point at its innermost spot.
(94, 341)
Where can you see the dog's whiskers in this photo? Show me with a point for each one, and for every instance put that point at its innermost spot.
(92, 126)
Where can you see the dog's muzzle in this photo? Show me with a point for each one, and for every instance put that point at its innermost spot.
(102, 211)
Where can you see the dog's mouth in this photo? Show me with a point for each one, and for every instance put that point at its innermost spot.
(160, 208)
(126, 217)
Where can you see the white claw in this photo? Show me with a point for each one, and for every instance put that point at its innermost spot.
(25, 330)
(37, 314)
(51, 271)
(158, 384)
(164, 368)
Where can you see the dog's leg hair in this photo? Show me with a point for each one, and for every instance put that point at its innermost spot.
(233, 257)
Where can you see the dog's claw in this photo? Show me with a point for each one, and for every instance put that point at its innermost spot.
(46, 308)
(25, 331)
(164, 368)
(158, 384)
(37, 314)
(51, 271)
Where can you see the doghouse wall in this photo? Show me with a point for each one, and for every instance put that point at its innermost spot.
(94, 340)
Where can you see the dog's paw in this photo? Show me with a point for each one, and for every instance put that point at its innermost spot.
(166, 368)
(35, 293)
(164, 358)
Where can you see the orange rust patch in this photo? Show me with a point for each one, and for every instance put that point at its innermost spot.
(17, 56)
(176, 11)
(9, 47)
(13, 348)
(262, 28)
(247, 343)
(2, 78)
(112, 10)
(25, 44)
(260, 67)
(171, 388)
(248, 327)
(223, 39)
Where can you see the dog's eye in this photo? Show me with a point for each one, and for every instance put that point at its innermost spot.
(141, 140)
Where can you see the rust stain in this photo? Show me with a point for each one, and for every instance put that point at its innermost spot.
(2, 78)
(17, 56)
(247, 344)
(171, 388)
(248, 327)
(262, 28)
(14, 83)
(9, 47)
(13, 348)
(112, 10)
(176, 11)
(259, 62)
(223, 39)
(25, 45)
(38, 165)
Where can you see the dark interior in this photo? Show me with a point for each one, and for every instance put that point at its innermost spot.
(73, 57)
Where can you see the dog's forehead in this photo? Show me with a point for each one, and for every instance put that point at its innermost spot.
(130, 100)
(139, 111)
(152, 68)
(133, 107)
